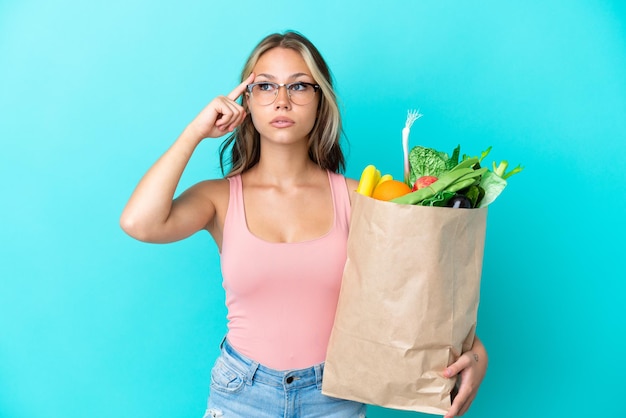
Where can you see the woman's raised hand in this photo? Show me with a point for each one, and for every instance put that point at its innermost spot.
(152, 214)
(222, 115)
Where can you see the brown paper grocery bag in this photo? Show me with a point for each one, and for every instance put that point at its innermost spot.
(408, 304)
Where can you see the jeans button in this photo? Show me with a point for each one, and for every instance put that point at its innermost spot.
(289, 379)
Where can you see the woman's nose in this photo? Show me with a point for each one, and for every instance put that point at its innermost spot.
(282, 97)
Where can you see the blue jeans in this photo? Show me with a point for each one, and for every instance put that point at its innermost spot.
(242, 388)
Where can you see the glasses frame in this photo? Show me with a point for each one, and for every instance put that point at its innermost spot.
(287, 86)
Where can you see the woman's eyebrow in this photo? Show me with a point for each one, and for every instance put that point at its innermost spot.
(291, 77)
(296, 75)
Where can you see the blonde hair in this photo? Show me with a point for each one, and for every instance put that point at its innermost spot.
(324, 148)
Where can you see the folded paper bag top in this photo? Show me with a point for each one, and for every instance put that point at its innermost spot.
(408, 304)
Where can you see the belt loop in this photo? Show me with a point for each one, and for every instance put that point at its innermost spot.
(251, 371)
(319, 374)
(222, 342)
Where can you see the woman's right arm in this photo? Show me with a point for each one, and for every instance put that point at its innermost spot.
(152, 214)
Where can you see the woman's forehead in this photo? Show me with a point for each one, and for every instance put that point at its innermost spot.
(281, 63)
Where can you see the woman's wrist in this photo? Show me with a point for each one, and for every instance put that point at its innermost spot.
(479, 353)
(192, 136)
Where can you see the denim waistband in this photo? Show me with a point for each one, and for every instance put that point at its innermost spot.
(258, 373)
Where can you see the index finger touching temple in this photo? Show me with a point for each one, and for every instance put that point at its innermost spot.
(238, 91)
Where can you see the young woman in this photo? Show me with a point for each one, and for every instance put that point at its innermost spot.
(280, 220)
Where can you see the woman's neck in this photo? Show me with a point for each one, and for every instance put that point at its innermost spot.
(284, 165)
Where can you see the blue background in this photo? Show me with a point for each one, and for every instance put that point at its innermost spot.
(93, 323)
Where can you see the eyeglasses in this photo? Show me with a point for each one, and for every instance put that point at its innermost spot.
(265, 92)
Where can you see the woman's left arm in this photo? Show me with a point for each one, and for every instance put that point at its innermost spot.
(471, 368)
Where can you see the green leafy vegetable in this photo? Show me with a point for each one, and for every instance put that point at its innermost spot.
(454, 159)
(493, 185)
(426, 162)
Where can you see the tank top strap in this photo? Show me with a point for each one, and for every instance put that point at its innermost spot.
(235, 215)
(341, 198)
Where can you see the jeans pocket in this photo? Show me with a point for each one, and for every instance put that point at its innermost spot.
(226, 378)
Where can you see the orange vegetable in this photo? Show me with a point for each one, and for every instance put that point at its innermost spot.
(390, 189)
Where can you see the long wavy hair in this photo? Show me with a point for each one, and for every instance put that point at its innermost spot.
(324, 149)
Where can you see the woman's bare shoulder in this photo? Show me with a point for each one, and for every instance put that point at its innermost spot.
(212, 189)
(216, 185)
(352, 183)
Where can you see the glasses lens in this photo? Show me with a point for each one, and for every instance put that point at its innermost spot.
(264, 93)
(299, 93)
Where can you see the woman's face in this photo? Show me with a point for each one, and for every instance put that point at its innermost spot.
(283, 121)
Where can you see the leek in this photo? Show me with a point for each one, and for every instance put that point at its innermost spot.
(412, 116)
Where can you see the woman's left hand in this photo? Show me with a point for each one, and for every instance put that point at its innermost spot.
(471, 368)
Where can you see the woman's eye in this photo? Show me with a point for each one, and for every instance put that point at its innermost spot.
(266, 87)
(298, 86)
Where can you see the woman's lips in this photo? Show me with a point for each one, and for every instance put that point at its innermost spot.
(281, 122)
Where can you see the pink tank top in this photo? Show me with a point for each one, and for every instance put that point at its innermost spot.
(281, 297)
